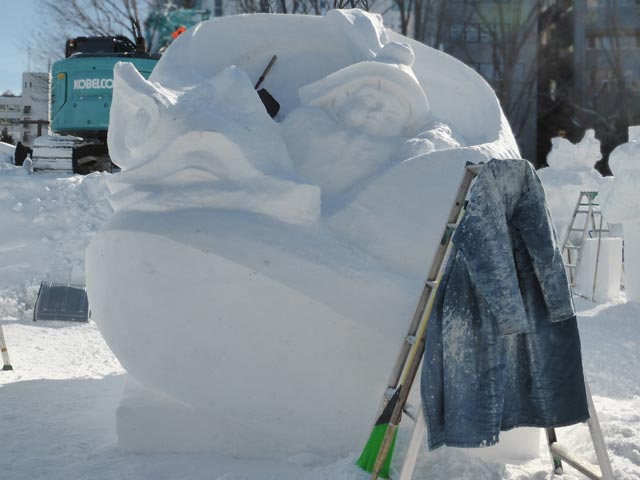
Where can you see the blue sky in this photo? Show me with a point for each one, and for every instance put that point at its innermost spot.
(17, 18)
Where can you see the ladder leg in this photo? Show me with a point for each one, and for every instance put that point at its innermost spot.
(5, 352)
(413, 450)
(595, 272)
(573, 219)
(556, 461)
(598, 438)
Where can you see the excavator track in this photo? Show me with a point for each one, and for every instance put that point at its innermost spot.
(68, 154)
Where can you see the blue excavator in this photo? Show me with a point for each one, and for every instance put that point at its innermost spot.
(81, 92)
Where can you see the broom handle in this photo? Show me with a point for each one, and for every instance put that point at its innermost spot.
(266, 71)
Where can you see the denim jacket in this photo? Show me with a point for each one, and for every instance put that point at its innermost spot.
(503, 348)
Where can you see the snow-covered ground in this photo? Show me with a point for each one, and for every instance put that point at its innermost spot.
(58, 404)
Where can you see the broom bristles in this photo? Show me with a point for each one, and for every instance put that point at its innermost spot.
(369, 454)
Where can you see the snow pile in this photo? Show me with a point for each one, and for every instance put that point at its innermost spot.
(259, 278)
(621, 204)
(570, 171)
(52, 220)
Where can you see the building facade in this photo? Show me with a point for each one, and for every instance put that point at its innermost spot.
(596, 82)
(497, 38)
(11, 114)
(26, 116)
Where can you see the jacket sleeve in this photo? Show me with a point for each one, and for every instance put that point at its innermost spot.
(532, 218)
(483, 240)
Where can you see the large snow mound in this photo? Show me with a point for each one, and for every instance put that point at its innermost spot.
(249, 281)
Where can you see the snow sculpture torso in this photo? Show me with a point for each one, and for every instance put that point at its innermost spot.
(245, 288)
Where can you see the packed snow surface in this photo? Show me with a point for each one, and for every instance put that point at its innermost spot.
(252, 309)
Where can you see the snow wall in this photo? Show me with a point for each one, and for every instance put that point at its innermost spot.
(256, 313)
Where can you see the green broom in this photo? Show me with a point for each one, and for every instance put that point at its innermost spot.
(369, 454)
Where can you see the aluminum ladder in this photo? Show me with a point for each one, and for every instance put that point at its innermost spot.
(5, 353)
(571, 250)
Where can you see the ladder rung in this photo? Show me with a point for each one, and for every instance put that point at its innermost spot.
(452, 225)
(573, 247)
(570, 265)
(576, 229)
(409, 414)
(576, 462)
(431, 283)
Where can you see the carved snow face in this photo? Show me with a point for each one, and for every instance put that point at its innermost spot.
(373, 109)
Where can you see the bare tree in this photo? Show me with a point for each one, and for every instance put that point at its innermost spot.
(500, 39)
(592, 86)
(363, 4)
(610, 101)
(63, 19)
(312, 7)
(428, 21)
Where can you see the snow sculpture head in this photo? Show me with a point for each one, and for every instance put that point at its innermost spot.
(380, 97)
(624, 159)
(589, 147)
(580, 156)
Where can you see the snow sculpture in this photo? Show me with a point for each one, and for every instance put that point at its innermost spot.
(621, 205)
(252, 301)
(570, 171)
